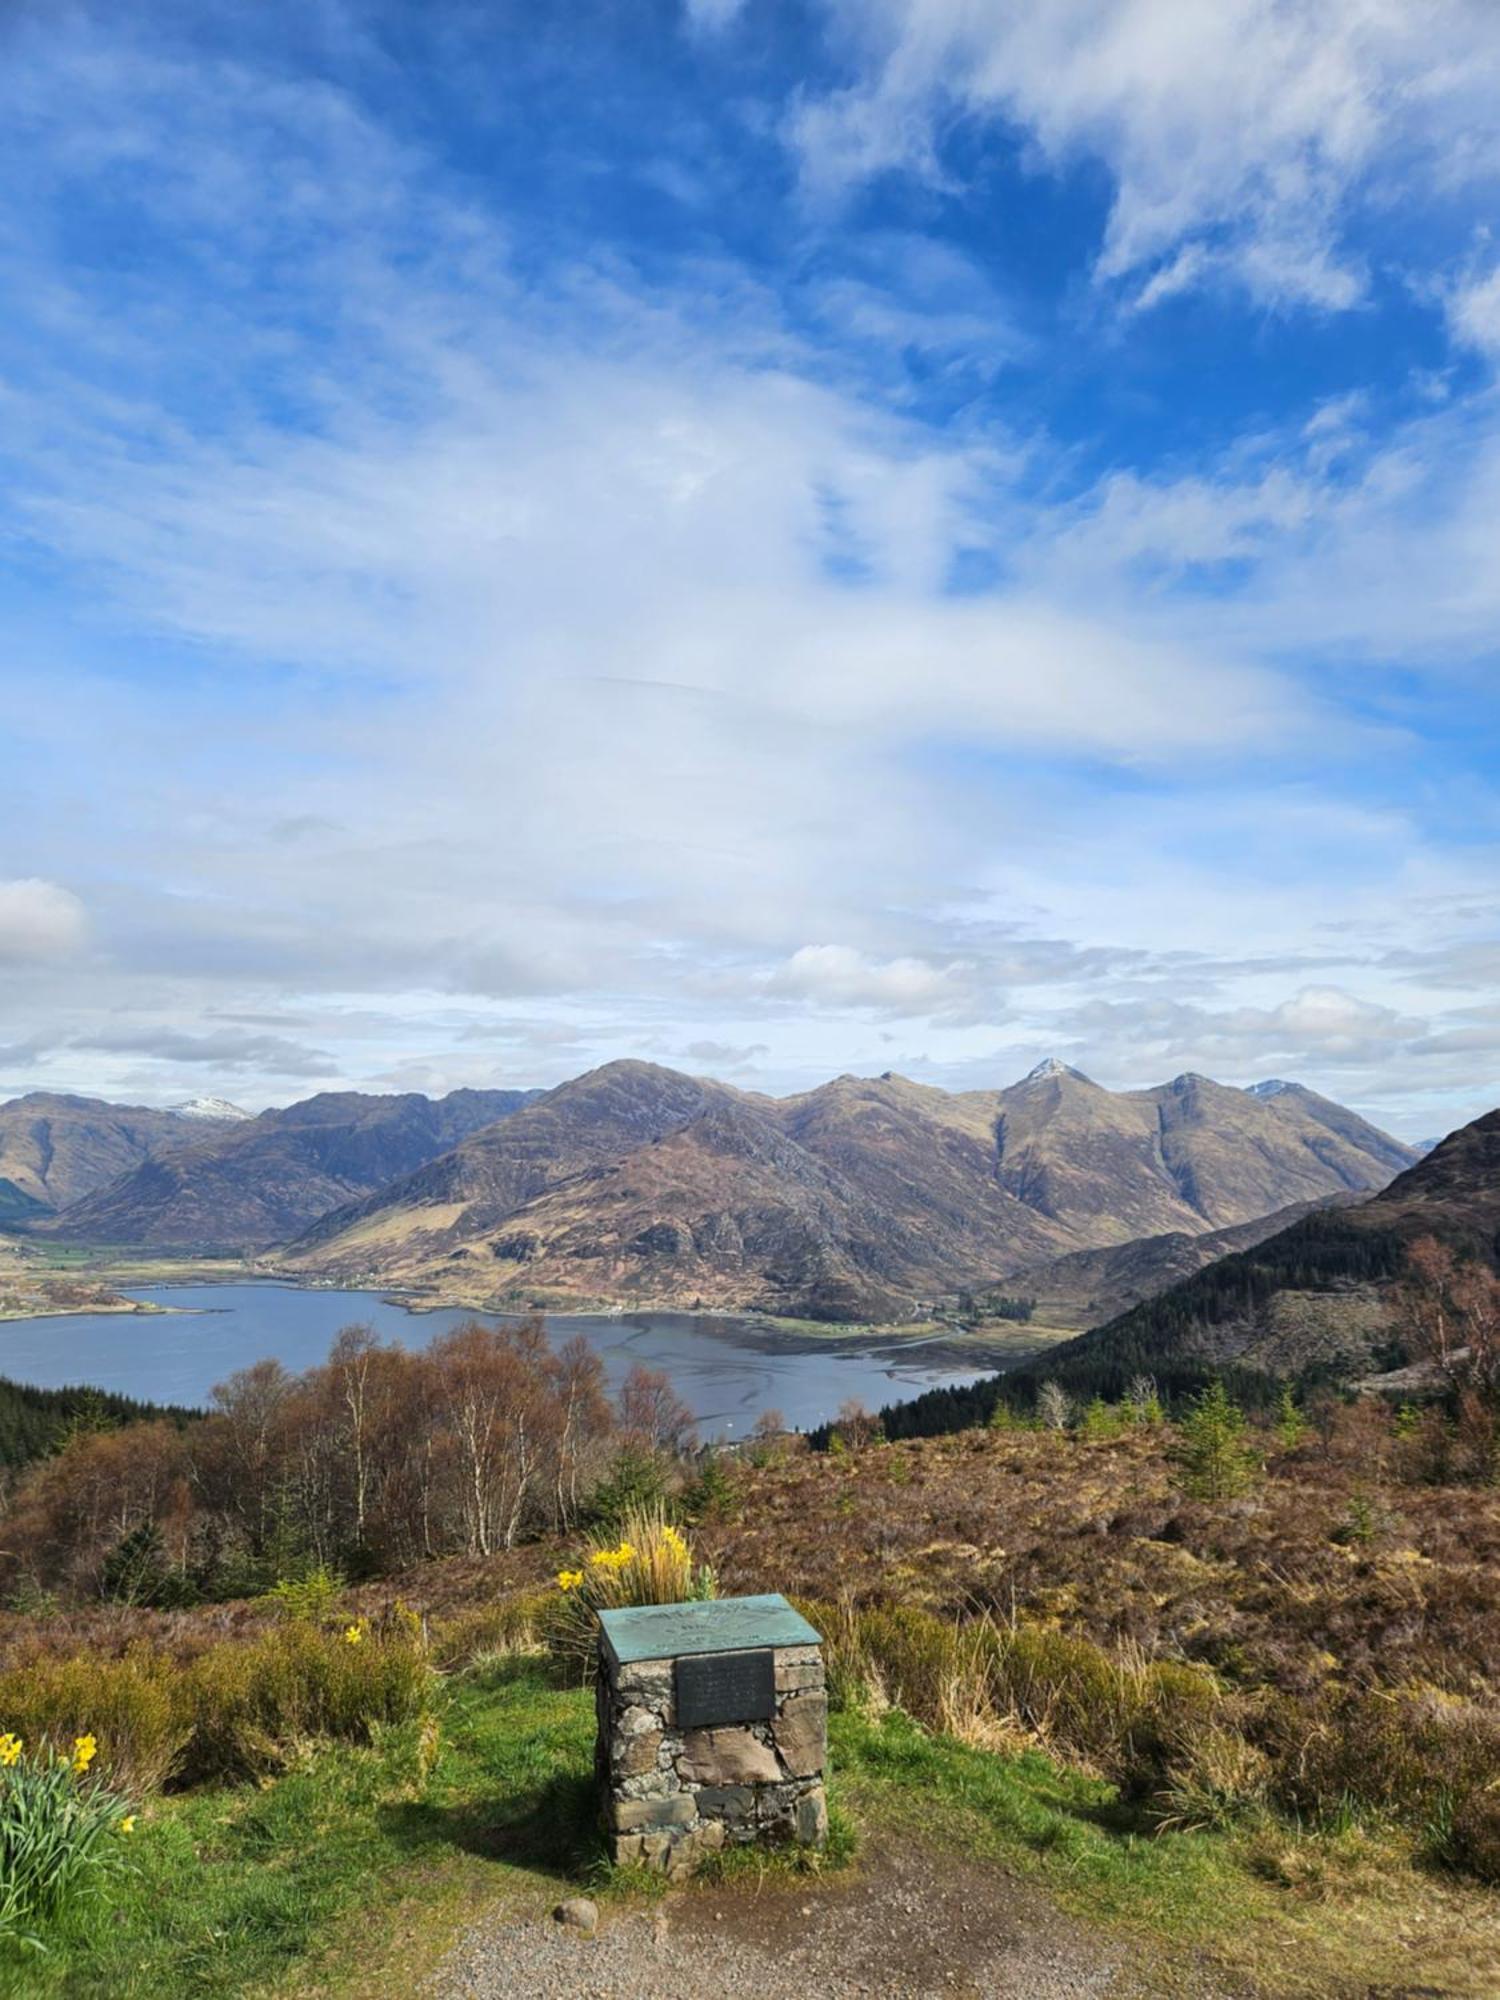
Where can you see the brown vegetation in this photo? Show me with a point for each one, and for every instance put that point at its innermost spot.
(379, 1458)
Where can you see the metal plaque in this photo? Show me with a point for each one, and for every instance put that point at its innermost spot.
(725, 1687)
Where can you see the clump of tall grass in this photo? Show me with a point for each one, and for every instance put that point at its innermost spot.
(238, 1709)
(60, 1830)
(1120, 1714)
(651, 1562)
(499, 1630)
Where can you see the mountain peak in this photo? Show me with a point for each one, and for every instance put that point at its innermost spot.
(1051, 1066)
(1273, 1086)
(210, 1107)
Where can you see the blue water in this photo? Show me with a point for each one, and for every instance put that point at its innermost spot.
(726, 1370)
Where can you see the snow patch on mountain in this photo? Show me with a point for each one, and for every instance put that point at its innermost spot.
(210, 1107)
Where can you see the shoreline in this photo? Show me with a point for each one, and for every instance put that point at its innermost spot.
(932, 1340)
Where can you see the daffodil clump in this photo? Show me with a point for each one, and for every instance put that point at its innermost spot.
(651, 1563)
(58, 1832)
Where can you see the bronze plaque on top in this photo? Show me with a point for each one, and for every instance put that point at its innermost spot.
(713, 1688)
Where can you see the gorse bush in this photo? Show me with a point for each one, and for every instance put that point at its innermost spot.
(237, 1709)
(136, 1704)
(60, 1830)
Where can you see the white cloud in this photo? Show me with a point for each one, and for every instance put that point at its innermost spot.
(39, 921)
(712, 16)
(1474, 312)
(582, 669)
(835, 975)
(1237, 134)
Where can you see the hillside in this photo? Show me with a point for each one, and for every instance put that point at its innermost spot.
(1087, 1287)
(250, 1183)
(855, 1200)
(55, 1150)
(1311, 1301)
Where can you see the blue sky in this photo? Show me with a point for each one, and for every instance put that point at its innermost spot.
(777, 539)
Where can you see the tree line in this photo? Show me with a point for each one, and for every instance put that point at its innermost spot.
(1443, 1309)
(379, 1457)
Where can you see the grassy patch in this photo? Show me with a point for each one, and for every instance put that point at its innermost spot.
(353, 1871)
(1344, 1912)
(327, 1879)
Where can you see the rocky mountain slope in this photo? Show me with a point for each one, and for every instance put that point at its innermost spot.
(1312, 1297)
(857, 1199)
(248, 1183)
(1087, 1287)
(54, 1149)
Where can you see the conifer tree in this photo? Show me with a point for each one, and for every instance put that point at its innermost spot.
(1214, 1451)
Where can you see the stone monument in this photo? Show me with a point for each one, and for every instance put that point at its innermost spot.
(713, 1729)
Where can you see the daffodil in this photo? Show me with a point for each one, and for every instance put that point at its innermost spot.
(569, 1579)
(85, 1750)
(127, 1825)
(10, 1748)
(354, 1634)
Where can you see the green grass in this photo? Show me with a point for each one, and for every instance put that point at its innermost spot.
(252, 1889)
(352, 1873)
(1032, 1814)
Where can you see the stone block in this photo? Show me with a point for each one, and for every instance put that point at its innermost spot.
(800, 1733)
(636, 1748)
(726, 1802)
(726, 1757)
(811, 1821)
(798, 1656)
(790, 1680)
(635, 1815)
(649, 1682)
(652, 1784)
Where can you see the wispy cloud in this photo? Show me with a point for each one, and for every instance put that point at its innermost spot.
(466, 633)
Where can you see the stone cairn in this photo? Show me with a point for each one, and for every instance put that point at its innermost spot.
(673, 1795)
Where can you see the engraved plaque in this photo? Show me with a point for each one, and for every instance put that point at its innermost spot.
(713, 1688)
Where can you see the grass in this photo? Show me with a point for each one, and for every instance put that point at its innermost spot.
(353, 1871)
(323, 1879)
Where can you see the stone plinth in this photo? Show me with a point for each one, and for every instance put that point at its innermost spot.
(713, 1729)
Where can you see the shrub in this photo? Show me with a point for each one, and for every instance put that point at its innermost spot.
(252, 1703)
(636, 1482)
(59, 1832)
(510, 1625)
(235, 1710)
(1123, 1715)
(309, 1598)
(136, 1705)
(1471, 1838)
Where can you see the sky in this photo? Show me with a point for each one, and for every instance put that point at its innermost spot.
(776, 539)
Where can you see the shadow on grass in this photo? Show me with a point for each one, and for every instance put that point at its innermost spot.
(552, 1829)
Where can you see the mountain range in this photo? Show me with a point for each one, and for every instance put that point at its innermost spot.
(855, 1200)
(247, 1182)
(56, 1149)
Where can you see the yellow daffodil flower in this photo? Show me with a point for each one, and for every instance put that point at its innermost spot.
(354, 1635)
(10, 1749)
(127, 1825)
(569, 1579)
(85, 1750)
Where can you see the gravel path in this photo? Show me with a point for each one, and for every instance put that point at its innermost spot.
(908, 1923)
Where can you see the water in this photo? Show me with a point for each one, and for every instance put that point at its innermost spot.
(726, 1370)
